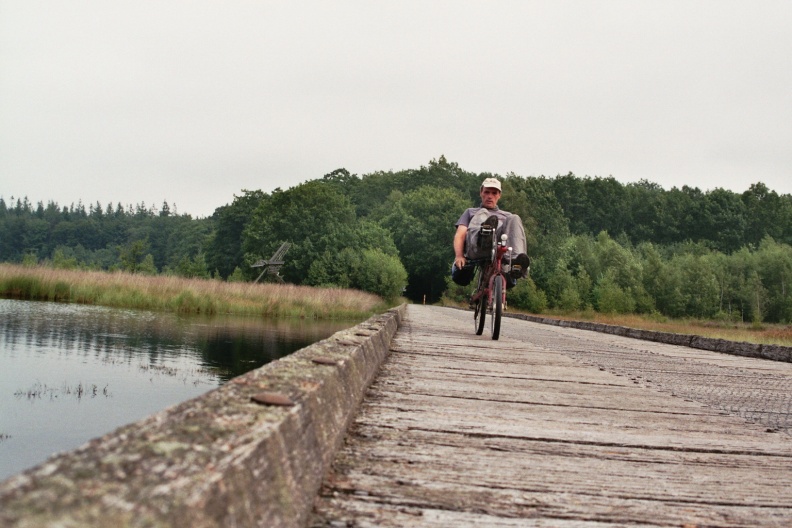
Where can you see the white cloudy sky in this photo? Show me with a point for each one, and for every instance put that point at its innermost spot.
(192, 101)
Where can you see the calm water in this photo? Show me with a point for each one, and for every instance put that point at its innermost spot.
(69, 373)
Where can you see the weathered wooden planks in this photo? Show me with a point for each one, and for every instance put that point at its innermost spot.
(556, 427)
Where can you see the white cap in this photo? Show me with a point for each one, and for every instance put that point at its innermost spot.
(491, 182)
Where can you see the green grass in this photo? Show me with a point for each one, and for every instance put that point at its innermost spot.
(765, 333)
(181, 295)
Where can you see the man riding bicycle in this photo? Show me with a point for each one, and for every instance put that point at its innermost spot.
(468, 247)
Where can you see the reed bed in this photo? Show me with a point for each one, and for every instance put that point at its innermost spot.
(178, 294)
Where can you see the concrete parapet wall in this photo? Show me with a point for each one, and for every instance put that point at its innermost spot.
(773, 352)
(250, 453)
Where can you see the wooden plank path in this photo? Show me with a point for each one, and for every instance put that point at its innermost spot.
(556, 427)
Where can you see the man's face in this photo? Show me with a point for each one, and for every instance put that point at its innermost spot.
(490, 197)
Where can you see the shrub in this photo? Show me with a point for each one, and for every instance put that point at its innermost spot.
(29, 260)
(454, 293)
(61, 261)
(147, 267)
(236, 276)
(381, 274)
(569, 299)
(611, 298)
(527, 296)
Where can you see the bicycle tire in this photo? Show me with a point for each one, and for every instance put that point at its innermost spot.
(497, 308)
(479, 314)
(480, 306)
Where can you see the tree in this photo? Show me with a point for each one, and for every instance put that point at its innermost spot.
(236, 276)
(786, 208)
(194, 267)
(755, 297)
(774, 266)
(699, 285)
(422, 225)
(224, 250)
(313, 216)
(569, 192)
(610, 297)
(674, 216)
(544, 208)
(723, 220)
(343, 182)
(186, 238)
(645, 199)
(766, 214)
(132, 255)
(147, 267)
(546, 228)
(341, 268)
(593, 204)
(63, 258)
(563, 288)
(334, 269)
(732, 272)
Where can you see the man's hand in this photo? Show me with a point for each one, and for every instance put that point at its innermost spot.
(459, 246)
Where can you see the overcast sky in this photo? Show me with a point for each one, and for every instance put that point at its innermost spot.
(190, 102)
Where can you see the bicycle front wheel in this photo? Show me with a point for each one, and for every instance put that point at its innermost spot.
(497, 305)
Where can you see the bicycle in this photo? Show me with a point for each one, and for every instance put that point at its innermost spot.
(490, 293)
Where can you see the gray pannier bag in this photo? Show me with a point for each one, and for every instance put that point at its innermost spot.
(479, 239)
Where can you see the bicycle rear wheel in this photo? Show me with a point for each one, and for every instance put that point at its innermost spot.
(480, 306)
(497, 306)
(479, 314)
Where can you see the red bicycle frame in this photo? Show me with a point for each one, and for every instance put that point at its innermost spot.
(490, 295)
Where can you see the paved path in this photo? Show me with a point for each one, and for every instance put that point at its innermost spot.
(556, 427)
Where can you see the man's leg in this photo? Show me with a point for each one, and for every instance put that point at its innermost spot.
(513, 228)
(463, 275)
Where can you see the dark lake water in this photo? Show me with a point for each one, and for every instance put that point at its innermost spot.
(69, 373)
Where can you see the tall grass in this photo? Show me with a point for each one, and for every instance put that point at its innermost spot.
(177, 294)
(768, 334)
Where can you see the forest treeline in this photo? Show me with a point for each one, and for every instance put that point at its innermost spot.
(596, 244)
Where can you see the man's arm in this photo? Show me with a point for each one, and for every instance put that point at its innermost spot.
(459, 246)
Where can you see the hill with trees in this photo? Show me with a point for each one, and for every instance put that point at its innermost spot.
(596, 243)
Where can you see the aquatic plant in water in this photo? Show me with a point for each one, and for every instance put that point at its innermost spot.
(41, 391)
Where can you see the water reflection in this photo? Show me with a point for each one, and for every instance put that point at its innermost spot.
(69, 373)
(234, 347)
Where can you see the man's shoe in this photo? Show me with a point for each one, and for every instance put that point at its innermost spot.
(492, 221)
(520, 266)
(486, 234)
